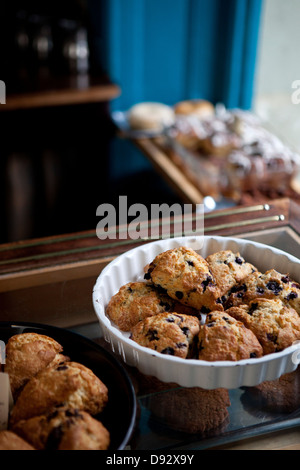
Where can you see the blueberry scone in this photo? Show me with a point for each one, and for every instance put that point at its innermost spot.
(27, 354)
(64, 429)
(167, 333)
(71, 384)
(228, 269)
(136, 301)
(269, 285)
(185, 276)
(223, 338)
(275, 324)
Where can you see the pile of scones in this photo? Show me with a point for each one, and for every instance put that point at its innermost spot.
(56, 400)
(218, 308)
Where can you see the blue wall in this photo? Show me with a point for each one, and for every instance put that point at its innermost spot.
(170, 50)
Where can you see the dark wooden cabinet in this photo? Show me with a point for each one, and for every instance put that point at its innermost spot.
(54, 157)
(55, 125)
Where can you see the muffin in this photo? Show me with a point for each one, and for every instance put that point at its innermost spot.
(70, 384)
(11, 441)
(136, 301)
(185, 276)
(64, 429)
(223, 338)
(275, 324)
(270, 285)
(167, 333)
(228, 269)
(27, 354)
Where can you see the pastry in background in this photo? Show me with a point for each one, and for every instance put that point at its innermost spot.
(150, 116)
(196, 107)
(199, 128)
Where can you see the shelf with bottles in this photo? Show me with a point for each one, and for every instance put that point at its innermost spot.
(52, 58)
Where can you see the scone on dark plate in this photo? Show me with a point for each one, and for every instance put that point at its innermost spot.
(11, 441)
(223, 338)
(185, 276)
(136, 301)
(64, 429)
(269, 285)
(27, 354)
(70, 384)
(228, 269)
(167, 333)
(275, 324)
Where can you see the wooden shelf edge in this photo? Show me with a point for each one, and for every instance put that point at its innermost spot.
(64, 251)
(65, 97)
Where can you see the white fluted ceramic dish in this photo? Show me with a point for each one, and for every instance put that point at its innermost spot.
(192, 372)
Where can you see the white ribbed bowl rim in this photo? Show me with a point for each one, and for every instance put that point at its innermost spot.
(193, 372)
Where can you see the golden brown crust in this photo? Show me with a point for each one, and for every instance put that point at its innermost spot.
(275, 325)
(70, 384)
(64, 429)
(167, 333)
(228, 269)
(185, 276)
(200, 108)
(269, 285)
(136, 301)
(11, 441)
(223, 338)
(27, 354)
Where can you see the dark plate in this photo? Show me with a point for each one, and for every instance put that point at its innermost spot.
(120, 413)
